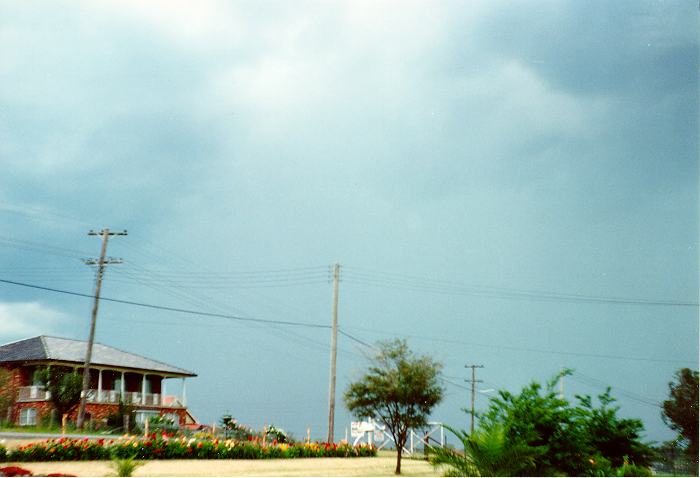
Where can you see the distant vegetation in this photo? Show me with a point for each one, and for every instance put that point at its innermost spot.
(538, 433)
(680, 413)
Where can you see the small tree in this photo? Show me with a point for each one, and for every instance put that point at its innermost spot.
(7, 393)
(680, 411)
(400, 389)
(65, 387)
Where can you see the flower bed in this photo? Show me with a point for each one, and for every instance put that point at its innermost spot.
(164, 448)
(62, 449)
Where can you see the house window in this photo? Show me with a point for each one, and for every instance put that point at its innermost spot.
(27, 416)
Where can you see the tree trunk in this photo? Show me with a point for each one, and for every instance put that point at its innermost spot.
(399, 451)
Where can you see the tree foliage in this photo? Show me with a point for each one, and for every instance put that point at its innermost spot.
(555, 438)
(680, 411)
(7, 392)
(65, 387)
(399, 389)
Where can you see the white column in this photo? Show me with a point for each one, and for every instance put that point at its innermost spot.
(143, 390)
(99, 385)
(162, 387)
(184, 393)
(122, 386)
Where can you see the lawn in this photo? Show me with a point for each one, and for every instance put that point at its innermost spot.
(382, 465)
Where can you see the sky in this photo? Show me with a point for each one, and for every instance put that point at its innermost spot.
(510, 184)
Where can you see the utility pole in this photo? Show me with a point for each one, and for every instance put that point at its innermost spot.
(473, 382)
(334, 353)
(101, 262)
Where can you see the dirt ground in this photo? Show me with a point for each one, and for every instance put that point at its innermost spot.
(379, 466)
(382, 465)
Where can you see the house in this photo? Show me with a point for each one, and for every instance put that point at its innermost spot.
(115, 375)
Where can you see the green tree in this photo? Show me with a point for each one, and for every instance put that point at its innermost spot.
(399, 390)
(65, 387)
(680, 411)
(616, 439)
(540, 419)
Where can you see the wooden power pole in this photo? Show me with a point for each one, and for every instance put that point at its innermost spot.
(473, 382)
(101, 262)
(334, 353)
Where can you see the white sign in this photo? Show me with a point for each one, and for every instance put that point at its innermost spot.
(357, 429)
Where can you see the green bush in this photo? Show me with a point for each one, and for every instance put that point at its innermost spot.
(3, 453)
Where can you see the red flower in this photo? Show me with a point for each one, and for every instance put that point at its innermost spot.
(199, 445)
(15, 471)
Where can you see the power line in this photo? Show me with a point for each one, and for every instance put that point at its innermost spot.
(443, 379)
(415, 283)
(524, 349)
(361, 342)
(594, 382)
(170, 309)
(184, 293)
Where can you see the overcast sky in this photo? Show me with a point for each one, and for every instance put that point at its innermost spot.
(488, 174)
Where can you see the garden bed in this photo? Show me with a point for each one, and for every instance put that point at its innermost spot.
(165, 448)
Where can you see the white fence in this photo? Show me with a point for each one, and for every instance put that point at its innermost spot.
(373, 433)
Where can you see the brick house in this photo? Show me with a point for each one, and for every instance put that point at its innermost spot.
(115, 375)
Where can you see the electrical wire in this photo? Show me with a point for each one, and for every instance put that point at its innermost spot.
(524, 349)
(594, 382)
(422, 284)
(170, 309)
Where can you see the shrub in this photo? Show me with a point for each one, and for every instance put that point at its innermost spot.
(3, 453)
(277, 434)
(125, 466)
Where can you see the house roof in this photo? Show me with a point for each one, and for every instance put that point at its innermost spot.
(59, 349)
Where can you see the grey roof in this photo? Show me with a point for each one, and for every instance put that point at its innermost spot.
(59, 349)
